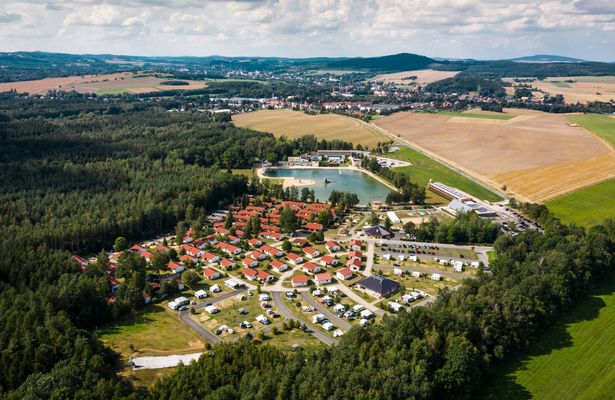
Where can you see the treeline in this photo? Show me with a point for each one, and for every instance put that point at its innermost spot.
(440, 352)
(464, 84)
(408, 191)
(500, 69)
(464, 228)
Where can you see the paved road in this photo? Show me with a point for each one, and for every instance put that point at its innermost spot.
(337, 321)
(369, 264)
(360, 300)
(222, 297)
(198, 328)
(277, 299)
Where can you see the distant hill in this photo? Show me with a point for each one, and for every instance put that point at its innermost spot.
(546, 58)
(392, 63)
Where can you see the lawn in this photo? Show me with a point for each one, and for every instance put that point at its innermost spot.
(155, 331)
(586, 207)
(601, 125)
(476, 115)
(573, 360)
(424, 168)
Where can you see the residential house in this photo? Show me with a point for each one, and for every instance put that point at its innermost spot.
(211, 273)
(294, 259)
(344, 274)
(333, 246)
(227, 264)
(299, 280)
(323, 278)
(311, 268)
(328, 261)
(311, 252)
(210, 257)
(175, 267)
(378, 286)
(278, 266)
(355, 244)
(354, 264)
(249, 262)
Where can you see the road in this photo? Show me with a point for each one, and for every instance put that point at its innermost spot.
(222, 297)
(360, 300)
(337, 321)
(369, 264)
(198, 328)
(277, 299)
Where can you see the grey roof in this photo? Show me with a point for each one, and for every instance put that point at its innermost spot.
(377, 230)
(379, 284)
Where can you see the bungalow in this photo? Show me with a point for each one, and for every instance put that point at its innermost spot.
(344, 274)
(278, 266)
(211, 239)
(249, 262)
(311, 268)
(175, 267)
(294, 259)
(356, 244)
(436, 277)
(228, 248)
(250, 274)
(233, 239)
(210, 257)
(137, 248)
(355, 254)
(354, 264)
(192, 251)
(314, 227)
(378, 286)
(211, 273)
(271, 228)
(328, 261)
(257, 255)
(299, 280)
(333, 246)
(271, 251)
(301, 242)
(263, 276)
(162, 249)
(227, 264)
(147, 255)
(323, 279)
(255, 242)
(271, 235)
(311, 252)
(221, 231)
(186, 258)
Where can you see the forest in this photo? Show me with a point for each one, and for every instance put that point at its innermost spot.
(86, 171)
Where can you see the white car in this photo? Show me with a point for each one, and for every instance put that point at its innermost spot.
(338, 333)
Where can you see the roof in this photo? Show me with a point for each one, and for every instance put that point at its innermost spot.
(378, 231)
(209, 272)
(379, 284)
(323, 276)
(344, 271)
(299, 278)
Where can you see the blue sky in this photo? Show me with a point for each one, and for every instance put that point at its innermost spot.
(305, 28)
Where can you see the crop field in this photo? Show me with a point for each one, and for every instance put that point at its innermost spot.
(586, 207)
(601, 125)
(294, 124)
(573, 360)
(124, 82)
(580, 89)
(537, 156)
(423, 77)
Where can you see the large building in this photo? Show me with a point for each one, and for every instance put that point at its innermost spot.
(466, 205)
(378, 231)
(446, 191)
(379, 286)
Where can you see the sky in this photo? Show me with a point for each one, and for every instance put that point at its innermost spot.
(493, 29)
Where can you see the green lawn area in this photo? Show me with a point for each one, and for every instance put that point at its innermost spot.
(476, 115)
(575, 359)
(601, 125)
(247, 172)
(586, 207)
(423, 168)
(103, 92)
(154, 331)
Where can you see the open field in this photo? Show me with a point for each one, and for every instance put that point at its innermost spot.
(586, 207)
(478, 114)
(423, 168)
(582, 88)
(423, 77)
(573, 360)
(124, 82)
(537, 156)
(601, 125)
(294, 124)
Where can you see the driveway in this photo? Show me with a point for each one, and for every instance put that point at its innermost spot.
(369, 264)
(222, 297)
(337, 321)
(277, 299)
(359, 300)
(198, 328)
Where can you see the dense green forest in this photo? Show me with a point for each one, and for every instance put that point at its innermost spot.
(464, 84)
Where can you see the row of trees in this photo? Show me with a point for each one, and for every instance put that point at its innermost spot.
(408, 191)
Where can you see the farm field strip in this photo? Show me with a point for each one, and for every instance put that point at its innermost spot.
(581, 89)
(423, 77)
(586, 207)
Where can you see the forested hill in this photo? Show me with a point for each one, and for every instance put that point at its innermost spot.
(392, 63)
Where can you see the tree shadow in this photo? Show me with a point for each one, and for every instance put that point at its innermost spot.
(501, 382)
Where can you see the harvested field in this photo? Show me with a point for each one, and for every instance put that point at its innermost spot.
(125, 82)
(294, 124)
(538, 156)
(580, 89)
(423, 77)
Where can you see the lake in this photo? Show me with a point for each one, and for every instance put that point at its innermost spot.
(342, 180)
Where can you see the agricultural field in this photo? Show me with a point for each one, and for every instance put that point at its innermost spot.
(573, 360)
(337, 72)
(424, 168)
(586, 207)
(294, 124)
(580, 89)
(423, 77)
(124, 82)
(536, 156)
(601, 125)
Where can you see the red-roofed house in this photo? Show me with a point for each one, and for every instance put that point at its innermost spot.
(344, 273)
(300, 280)
(255, 242)
(333, 246)
(278, 266)
(263, 276)
(228, 248)
(83, 263)
(211, 257)
(311, 268)
(227, 264)
(271, 235)
(354, 264)
(323, 279)
(175, 267)
(355, 254)
(271, 251)
(314, 227)
(192, 251)
(147, 255)
(186, 257)
(221, 231)
(233, 239)
(249, 262)
(211, 273)
(137, 248)
(294, 259)
(328, 261)
(356, 244)
(257, 255)
(301, 242)
(311, 252)
(249, 273)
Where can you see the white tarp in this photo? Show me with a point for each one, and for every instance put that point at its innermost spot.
(154, 362)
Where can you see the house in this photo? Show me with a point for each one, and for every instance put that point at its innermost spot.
(355, 254)
(378, 231)
(333, 246)
(210, 257)
(137, 248)
(278, 266)
(233, 239)
(354, 264)
(250, 274)
(162, 249)
(211, 273)
(175, 267)
(299, 280)
(271, 235)
(146, 298)
(294, 259)
(249, 262)
(263, 276)
(257, 255)
(328, 261)
(398, 272)
(231, 283)
(186, 258)
(83, 263)
(192, 251)
(378, 286)
(314, 227)
(300, 242)
(311, 252)
(344, 274)
(147, 255)
(311, 268)
(221, 231)
(227, 264)
(271, 251)
(323, 278)
(355, 244)
(228, 248)
(255, 242)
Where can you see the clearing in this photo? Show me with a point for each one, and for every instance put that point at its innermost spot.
(573, 360)
(580, 89)
(537, 156)
(586, 207)
(294, 124)
(423, 77)
(123, 82)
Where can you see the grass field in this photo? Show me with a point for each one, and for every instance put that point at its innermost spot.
(424, 168)
(586, 207)
(294, 124)
(601, 125)
(573, 360)
(499, 116)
